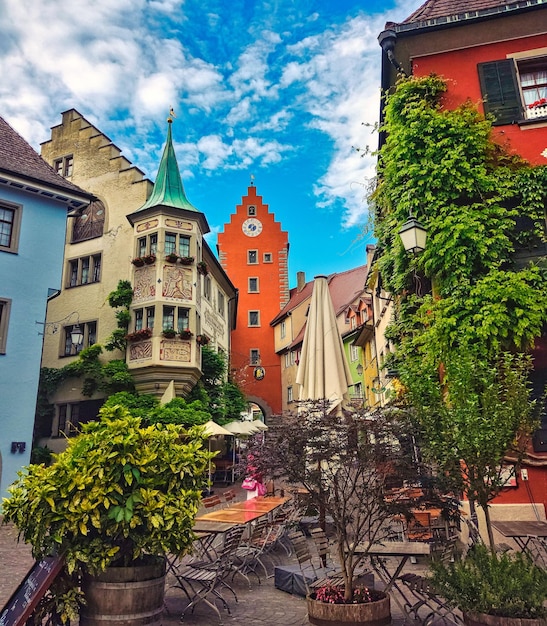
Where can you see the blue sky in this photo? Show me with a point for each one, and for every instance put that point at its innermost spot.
(283, 90)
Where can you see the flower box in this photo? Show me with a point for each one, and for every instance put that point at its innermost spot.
(138, 262)
(377, 611)
(139, 335)
(171, 258)
(169, 333)
(149, 259)
(202, 267)
(202, 340)
(186, 260)
(186, 334)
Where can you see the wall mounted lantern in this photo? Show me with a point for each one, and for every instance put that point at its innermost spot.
(76, 334)
(413, 235)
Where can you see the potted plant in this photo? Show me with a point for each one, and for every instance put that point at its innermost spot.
(494, 588)
(138, 261)
(202, 267)
(186, 334)
(149, 259)
(186, 260)
(113, 504)
(171, 257)
(169, 333)
(202, 340)
(347, 464)
(139, 335)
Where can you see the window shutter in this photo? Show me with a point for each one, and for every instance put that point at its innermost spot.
(500, 91)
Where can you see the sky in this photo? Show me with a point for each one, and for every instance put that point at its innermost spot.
(282, 92)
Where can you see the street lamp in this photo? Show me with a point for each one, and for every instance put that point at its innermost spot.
(76, 332)
(413, 235)
(359, 370)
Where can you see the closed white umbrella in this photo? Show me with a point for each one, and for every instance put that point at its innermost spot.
(323, 371)
(259, 424)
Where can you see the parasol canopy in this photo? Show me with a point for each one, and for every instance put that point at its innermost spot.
(323, 371)
(259, 424)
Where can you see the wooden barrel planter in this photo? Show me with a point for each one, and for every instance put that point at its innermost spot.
(125, 596)
(483, 619)
(377, 613)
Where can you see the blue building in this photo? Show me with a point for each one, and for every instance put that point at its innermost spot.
(34, 202)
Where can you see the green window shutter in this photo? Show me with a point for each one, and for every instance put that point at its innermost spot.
(500, 91)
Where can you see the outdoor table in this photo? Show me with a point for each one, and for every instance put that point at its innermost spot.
(521, 532)
(230, 515)
(266, 505)
(401, 551)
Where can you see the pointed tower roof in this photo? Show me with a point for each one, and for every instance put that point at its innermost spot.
(168, 191)
(168, 188)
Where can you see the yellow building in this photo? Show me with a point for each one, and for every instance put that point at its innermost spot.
(149, 235)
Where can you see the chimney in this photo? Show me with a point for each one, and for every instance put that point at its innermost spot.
(300, 281)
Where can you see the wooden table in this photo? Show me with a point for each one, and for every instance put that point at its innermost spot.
(521, 532)
(266, 505)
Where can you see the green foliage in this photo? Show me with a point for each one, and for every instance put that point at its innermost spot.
(179, 411)
(121, 299)
(139, 405)
(507, 585)
(120, 491)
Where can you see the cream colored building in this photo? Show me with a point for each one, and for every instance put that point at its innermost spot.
(131, 219)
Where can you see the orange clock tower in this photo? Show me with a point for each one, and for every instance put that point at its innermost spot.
(253, 251)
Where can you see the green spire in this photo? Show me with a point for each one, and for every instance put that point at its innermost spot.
(168, 189)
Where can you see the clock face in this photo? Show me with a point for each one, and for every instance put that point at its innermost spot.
(252, 227)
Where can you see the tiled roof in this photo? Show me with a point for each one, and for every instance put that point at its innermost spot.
(433, 9)
(344, 287)
(19, 158)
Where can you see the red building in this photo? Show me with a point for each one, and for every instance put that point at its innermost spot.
(253, 250)
(494, 53)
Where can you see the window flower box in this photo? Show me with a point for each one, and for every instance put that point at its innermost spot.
(186, 334)
(169, 333)
(202, 340)
(149, 259)
(139, 335)
(171, 258)
(537, 109)
(186, 260)
(202, 267)
(138, 261)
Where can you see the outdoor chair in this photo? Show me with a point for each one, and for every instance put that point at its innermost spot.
(537, 549)
(211, 502)
(423, 596)
(203, 582)
(303, 578)
(229, 496)
(251, 552)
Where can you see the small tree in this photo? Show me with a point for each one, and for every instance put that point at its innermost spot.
(347, 464)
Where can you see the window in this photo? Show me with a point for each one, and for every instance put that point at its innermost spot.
(254, 356)
(268, 257)
(289, 394)
(283, 330)
(358, 390)
(147, 245)
(252, 257)
(254, 318)
(10, 221)
(84, 270)
(510, 86)
(287, 359)
(352, 322)
(5, 306)
(253, 285)
(207, 288)
(90, 223)
(144, 316)
(177, 244)
(354, 352)
(251, 210)
(180, 315)
(64, 166)
(221, 306)
(71, 416)
(89, 330)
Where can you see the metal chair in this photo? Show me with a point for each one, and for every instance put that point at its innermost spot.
(200, 581)
(537, 549)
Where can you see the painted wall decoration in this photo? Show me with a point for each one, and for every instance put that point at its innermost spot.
(177, 282)
(147, 225)
(145, 284)
(175, 351)
(140, 350)
(181, 225)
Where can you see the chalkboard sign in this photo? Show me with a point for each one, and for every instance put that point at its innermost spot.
(31, 590)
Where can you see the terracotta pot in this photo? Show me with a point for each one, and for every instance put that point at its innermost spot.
(376, 613)
(482, 619)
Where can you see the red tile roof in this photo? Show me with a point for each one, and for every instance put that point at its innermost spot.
(17, 157)
(433, 9)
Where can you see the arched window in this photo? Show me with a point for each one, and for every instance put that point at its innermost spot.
(90, 223)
